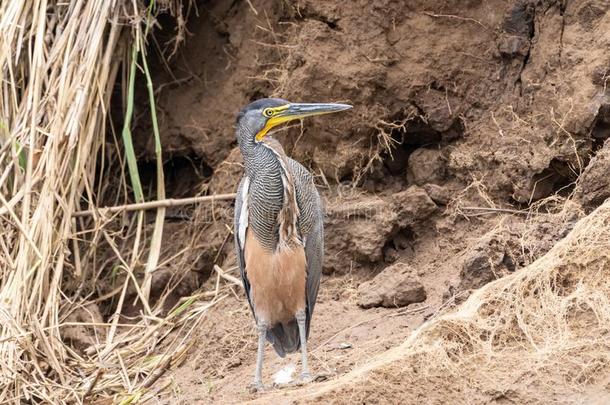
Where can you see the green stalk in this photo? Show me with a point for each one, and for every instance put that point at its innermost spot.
(130, 156)
(22, 155)
(155, 244)
(132, 163)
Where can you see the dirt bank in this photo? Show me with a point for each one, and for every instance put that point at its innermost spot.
(473, 123)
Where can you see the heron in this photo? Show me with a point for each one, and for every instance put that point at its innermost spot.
(279, 230)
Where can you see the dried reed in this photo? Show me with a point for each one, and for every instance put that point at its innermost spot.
(59, 61)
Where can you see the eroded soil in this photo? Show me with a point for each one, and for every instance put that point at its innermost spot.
(466, 115)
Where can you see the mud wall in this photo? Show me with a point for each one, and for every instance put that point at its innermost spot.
(509, 96)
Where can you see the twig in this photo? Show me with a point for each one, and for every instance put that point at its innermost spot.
(457, 17)
(169, 202)
(227, 277)
(505, 210)
(252, 7)
(162, 367)
(224, 242)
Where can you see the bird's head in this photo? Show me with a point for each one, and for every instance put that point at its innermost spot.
(260, 116)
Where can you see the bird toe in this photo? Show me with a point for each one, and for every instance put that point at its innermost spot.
(306, 378)
(256, 386)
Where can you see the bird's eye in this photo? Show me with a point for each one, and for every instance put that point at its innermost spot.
(268, 112)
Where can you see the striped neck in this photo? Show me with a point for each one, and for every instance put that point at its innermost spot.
(289, 214)
(247, 144)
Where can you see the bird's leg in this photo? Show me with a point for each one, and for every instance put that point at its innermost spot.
(257, 385)
(301, 320)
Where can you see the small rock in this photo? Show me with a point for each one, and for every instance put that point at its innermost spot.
(234, 363)
(358, 228)
(438, 194)
(390, 255)
(396, 286)
(601, 126)
(519, 20)
(321, 377)
(510, 46)
(490, 258)
(426, 166)
(593, 186)
(539, 186)
(478, 268)
(412, 205)
(393, 36)
(442, 109)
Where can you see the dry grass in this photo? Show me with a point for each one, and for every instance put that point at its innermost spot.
(59, 64)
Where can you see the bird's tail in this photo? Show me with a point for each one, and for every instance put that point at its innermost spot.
(285, 337)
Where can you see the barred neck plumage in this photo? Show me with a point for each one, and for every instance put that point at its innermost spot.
(289, 214)
(247, 146)
(284, 218)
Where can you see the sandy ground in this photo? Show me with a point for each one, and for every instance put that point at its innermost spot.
(343, 337)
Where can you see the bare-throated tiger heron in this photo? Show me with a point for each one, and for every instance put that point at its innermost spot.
(279, 231)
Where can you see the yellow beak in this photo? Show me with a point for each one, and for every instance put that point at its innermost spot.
(296, 111)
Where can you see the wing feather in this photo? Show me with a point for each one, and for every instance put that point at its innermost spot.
(314, 253)
(312, 227)
(240, 227)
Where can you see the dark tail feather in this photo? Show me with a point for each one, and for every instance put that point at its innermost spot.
(285, 337)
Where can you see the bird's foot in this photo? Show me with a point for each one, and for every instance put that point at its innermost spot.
(305, 378)
(256, 386)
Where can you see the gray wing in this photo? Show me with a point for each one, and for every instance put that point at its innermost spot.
(240, 221)
(311, 224)
(314, 253)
